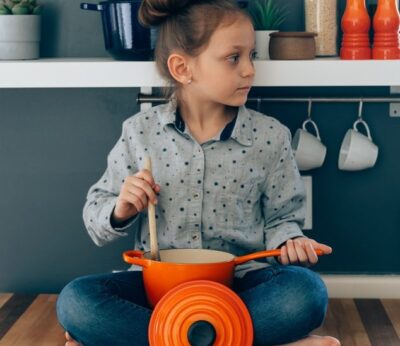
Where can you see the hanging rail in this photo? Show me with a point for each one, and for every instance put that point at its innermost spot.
(149, 98)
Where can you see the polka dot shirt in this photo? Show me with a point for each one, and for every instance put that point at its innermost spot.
(238, 192)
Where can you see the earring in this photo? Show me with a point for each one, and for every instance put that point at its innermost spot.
(189, 81)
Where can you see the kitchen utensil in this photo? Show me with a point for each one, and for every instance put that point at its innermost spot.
(292, 45)
(321, 18)
(355, 24)
(181, 265)
(200, 312)
(357, 151)
(308, 149)
(124, 37)
(386, 24)
(154, 254)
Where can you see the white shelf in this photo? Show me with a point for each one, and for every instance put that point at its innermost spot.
(107, 72)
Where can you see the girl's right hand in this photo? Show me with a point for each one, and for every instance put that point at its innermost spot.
(136, 191)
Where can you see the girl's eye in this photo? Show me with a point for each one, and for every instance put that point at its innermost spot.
(234, 58)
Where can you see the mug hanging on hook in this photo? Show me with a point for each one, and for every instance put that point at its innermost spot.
(308, 149)
(358, 151)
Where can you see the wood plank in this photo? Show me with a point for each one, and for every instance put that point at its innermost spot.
(377, 323)
(4, 297)
(12, 309)
(392, 308)
(359, 322)
(344, 323)
(37, 326)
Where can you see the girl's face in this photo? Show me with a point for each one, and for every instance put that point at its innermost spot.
(224, 71)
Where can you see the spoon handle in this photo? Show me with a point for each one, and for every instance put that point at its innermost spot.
(152, 219)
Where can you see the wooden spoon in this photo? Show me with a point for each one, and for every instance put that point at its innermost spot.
(154, 253)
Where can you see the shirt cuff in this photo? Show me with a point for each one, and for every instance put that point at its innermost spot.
(122, 225)
(289, 230)
(107, 213)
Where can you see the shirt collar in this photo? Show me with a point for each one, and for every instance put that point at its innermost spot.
(243, 130)
(242, 124)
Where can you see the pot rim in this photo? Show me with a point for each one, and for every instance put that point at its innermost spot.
(293, 34)
(147, 255)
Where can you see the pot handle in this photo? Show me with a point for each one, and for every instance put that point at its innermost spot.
(136, 257)
(91, 7)
(262, 254)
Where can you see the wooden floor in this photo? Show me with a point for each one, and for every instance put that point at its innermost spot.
(29, 320)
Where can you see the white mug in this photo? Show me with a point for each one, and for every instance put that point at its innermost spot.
(308, 149)
(357, 151)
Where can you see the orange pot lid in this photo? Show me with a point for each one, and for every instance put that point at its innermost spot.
(199, 304)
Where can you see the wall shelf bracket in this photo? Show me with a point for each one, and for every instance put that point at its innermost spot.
(394, 110)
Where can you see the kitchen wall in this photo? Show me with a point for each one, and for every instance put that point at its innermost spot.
(54, 144)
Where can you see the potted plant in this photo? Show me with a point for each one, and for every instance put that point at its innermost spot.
(267, 17)
(19, 29)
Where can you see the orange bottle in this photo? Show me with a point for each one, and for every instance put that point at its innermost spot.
(386, 31)
(355, 25)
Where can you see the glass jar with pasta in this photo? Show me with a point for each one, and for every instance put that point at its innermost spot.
(321, 18)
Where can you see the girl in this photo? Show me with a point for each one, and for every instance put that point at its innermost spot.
(224, 178)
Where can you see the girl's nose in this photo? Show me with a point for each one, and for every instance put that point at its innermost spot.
(248, 69)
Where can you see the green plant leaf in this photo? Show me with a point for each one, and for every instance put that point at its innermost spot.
(4, 10)
(266, 14)
(37, 10)
(9, 4)
(20, 9)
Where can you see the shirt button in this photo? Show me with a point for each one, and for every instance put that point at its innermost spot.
(196, 195)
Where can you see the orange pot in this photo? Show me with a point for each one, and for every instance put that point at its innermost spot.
(182, 265)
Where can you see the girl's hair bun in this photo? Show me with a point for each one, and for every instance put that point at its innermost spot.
(154, 12)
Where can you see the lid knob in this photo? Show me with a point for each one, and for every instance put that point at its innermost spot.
(201, 333)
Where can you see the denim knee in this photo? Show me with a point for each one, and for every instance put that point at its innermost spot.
(307, 302)
(71, 305)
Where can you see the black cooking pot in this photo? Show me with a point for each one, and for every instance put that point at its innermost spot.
(124, 37)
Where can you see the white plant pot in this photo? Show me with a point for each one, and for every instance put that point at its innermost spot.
(19, 36)
(262, 44)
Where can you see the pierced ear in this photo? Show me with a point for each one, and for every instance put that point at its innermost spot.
(179, 69)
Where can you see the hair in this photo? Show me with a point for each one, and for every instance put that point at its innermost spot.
(185, 26)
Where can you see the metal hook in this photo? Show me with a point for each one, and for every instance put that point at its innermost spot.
(360, 109)
(258, 104)
(309, 108)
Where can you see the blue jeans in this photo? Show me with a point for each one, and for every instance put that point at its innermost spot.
(285, 303)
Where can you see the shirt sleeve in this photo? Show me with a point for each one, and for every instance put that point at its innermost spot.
(284, 199)
(102, 196)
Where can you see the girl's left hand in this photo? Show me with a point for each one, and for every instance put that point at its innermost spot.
(301, 251)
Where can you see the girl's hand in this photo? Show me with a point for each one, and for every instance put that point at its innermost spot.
(70, 341)
(136, 191)
(302, 251)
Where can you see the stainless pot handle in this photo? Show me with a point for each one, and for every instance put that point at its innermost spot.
(91, 7)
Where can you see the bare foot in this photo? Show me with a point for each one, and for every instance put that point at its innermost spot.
(316, 340)
(70, 341)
